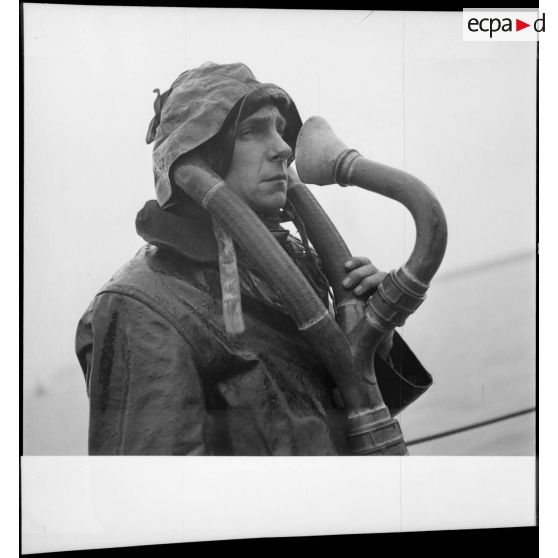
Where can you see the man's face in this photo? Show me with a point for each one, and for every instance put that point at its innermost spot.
(258, 170)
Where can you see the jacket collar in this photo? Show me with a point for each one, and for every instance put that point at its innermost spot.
(186, 228)
(187, 231)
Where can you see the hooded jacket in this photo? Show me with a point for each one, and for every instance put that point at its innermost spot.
(163, 377)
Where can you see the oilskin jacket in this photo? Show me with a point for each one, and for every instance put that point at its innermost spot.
(164, 378)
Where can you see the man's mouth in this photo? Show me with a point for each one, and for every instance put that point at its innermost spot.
(275, 177)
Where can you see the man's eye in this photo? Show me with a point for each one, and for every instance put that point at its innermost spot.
(247, 132)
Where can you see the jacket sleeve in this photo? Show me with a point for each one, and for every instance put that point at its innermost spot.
(402, 380)
(144, 389)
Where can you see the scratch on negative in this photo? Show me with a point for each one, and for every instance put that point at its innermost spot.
(365, 17)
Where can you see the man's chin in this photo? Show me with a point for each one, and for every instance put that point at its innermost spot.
(276, 200)
(272, 207)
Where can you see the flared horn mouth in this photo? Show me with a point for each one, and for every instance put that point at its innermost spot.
(317, 152)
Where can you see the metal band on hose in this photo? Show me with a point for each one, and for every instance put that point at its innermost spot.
(393, 302)
(344, 166)
(375, 432)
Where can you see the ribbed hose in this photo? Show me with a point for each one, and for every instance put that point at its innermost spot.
(305, 307)
(302, 303)
(332, 250)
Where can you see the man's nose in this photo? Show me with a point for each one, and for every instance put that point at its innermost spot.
(279, 148)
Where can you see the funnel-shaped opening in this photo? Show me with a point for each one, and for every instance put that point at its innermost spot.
(317, 150)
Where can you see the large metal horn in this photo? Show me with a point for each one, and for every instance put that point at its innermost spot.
(322, 159)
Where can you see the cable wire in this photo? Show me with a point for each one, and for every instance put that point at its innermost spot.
(470, 427)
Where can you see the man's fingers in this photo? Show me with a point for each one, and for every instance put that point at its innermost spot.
(369, 283)
(356, 261)
(357, 275)
(364, 277)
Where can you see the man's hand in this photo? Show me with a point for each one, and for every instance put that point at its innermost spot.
(363, 278)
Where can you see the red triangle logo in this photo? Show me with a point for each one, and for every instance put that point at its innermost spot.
(519, 25)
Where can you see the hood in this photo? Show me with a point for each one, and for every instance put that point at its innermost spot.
(193, 110)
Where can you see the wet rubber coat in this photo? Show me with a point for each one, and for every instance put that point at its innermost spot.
(164, 378)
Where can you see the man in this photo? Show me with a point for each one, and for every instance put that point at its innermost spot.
(164, 375)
